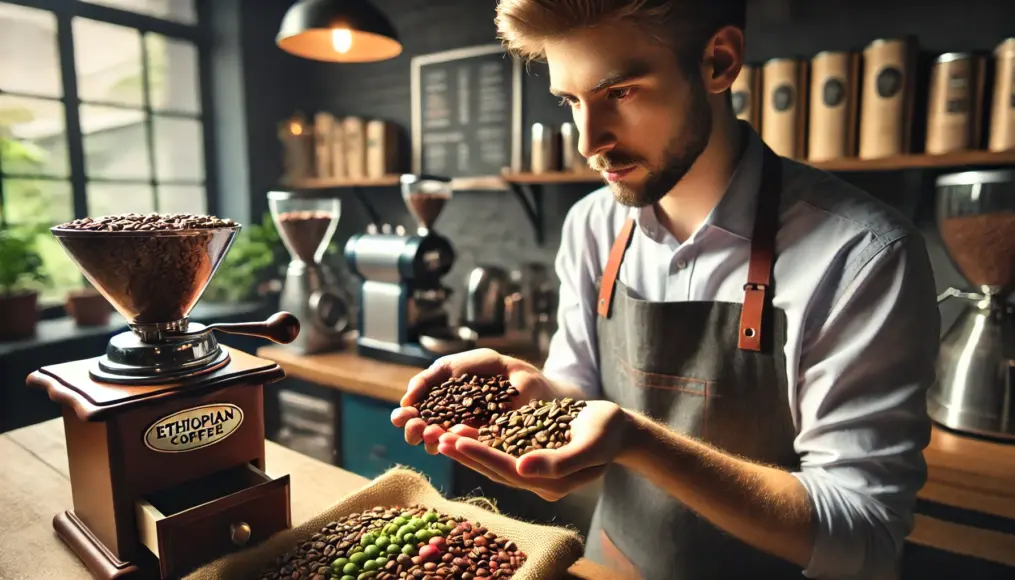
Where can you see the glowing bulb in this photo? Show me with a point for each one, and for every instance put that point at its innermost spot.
(295, 128)
(341, 39)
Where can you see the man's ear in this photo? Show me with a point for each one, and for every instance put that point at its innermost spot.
(723, 59)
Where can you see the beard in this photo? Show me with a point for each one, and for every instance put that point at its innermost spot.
(679, 155)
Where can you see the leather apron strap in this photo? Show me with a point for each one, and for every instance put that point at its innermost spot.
(759, 271)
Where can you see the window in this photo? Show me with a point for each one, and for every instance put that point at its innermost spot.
(100, 112)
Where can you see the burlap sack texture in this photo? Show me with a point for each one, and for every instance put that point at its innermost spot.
(550, 550)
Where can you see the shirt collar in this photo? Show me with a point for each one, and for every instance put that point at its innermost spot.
(734, 213)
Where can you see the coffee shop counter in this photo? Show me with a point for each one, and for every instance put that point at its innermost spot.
(35, 486)
(966, 509)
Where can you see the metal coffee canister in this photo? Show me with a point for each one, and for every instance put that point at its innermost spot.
(951, 108)
(354, 131)
(831, 107)
(544, 157)
(744, 90)
(885, 105)
(780, 117)
(570, 158)
(1002, 114)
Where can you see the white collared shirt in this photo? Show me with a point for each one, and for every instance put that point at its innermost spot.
(854, 279)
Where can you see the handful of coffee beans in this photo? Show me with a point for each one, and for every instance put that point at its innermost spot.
(469, 400)
(396, 543)
(538, 425)
(152, 222)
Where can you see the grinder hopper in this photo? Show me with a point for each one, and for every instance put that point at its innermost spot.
(425, 196)
(154, 279)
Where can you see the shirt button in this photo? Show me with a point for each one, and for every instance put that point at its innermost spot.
(681, 264)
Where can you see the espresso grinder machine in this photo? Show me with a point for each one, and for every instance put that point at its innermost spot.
(306, 223)
(402, 314)
(975, 388)
(165, 431)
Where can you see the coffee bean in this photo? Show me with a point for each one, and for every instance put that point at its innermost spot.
(537, 425)
(467, 399)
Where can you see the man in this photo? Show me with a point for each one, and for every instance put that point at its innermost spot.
(755, 336)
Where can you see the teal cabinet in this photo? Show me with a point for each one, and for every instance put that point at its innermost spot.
(370, 444)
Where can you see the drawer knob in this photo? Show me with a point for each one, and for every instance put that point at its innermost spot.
(239, 533)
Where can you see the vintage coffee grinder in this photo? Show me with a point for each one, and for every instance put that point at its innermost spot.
(306, 222)
(402, 315)
(975, 389)
(165, 432)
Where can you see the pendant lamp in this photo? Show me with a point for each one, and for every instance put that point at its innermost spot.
(338, 31)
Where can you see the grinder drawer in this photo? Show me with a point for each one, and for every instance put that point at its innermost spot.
(191, 524)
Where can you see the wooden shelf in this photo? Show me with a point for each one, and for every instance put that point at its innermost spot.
(920, 161)
(329, 183)
(553, 177)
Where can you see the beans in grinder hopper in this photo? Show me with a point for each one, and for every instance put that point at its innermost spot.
(538, 425)
(155, 265)
(304, 231)
(468, 399)
(396, 543)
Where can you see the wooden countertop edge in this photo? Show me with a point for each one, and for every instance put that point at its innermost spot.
(965, 540)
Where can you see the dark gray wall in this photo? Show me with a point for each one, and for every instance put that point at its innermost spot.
(491, 227)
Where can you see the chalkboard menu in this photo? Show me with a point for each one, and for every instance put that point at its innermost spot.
(466, 112)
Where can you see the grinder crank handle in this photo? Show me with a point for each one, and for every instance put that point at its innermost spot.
(280, 328)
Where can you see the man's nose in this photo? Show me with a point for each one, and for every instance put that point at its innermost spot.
(594, 134)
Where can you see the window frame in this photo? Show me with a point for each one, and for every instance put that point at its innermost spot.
(199, 34)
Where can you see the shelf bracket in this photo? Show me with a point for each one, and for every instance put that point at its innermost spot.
(529, 195)
(375, 218)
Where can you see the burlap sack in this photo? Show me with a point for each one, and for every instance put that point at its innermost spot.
(550, 550)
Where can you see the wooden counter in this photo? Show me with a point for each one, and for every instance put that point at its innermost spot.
(35, 486)
(970, 474)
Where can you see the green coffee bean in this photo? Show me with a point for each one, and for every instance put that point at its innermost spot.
(370, 565)
(409, 549)
(421, 536)
(338, 564)
(399, 521)
(348, 577)
(403, 530)
(381, 561)
(409, 538)
(371, 551)
(430, 517)
(350, 569)
(368, 539)
(382, 542)
(393, 549)
(358, 558)
(367, 575)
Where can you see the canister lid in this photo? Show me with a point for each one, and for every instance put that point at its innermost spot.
(953, 56)
(825, 53)
(1006, 45)
(977, 177)
(779, 59)
(880, 41)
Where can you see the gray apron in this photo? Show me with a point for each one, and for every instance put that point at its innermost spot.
(715, 371)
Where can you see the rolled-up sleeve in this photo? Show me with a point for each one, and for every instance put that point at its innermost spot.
(572, 353)
(862, 412)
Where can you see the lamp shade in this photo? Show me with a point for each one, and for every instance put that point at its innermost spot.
(338, 31)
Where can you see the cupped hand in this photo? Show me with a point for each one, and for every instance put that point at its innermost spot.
(525, 377)
(598, 434)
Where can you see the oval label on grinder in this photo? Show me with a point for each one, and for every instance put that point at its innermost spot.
(193, 429)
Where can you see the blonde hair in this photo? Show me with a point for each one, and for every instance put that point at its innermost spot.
(524, 26)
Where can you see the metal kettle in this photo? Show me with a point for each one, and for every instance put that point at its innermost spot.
(486, 291)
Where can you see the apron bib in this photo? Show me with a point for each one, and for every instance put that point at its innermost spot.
(715, 371)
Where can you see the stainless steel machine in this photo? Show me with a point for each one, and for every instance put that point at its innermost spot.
(402, 314)
(306, 222)
(976, 367)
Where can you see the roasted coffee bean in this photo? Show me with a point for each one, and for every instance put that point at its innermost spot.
(469, 400)
(390, 543)
(537, 425)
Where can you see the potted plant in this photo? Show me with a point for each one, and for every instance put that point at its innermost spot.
(252, 270)
(21, 275)
(88, 307)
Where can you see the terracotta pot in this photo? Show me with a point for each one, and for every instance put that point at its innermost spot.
(88, 307)
(19, 315)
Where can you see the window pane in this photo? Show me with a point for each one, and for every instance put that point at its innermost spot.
(115, 143)
(32, 136)
(38, 201)
(34, 71)
(175, 60)
(107, 59)
(115, 198)
(179, 149)
(182, 199)
(178, 10)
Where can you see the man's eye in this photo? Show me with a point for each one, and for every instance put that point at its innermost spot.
(568, 101)
(619, 93)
